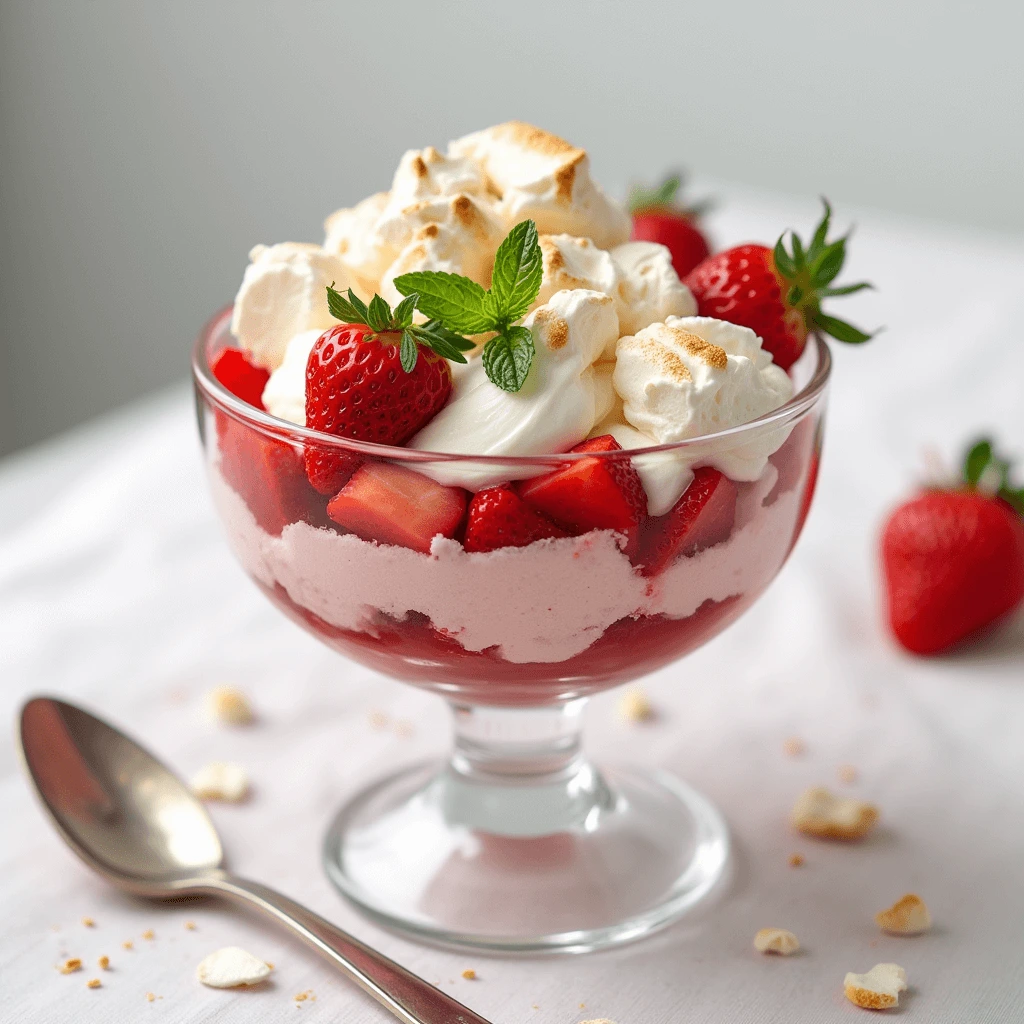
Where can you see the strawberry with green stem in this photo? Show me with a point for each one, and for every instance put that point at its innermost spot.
(778, 292)
(659, 217)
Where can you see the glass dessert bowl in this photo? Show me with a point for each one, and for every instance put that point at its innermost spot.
(517, 842)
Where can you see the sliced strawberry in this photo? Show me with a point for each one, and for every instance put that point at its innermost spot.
(268, 474)
(240, 377)
(592, 494)
(702, 517)
(394, 505)
(499, 518)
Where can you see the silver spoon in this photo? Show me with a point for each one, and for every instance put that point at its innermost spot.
(138, 825)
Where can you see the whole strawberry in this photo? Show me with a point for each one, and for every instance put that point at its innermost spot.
(377, 377)
(953, 559)
(658, 217)
(778, 293)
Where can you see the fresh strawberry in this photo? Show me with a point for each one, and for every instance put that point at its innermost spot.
(658, 217)
(592, 494)
(240, 377)
(953, 559)
(777, 293)
(499, 518)
(702, 517)
(268, 475)
(395, 505)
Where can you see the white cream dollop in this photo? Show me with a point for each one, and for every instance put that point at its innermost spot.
(562, 399)
(283, 292)
(542, 177)
(693, 376)
(649, 288)
(285, 393)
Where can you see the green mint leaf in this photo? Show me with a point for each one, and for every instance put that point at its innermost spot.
(403, 311)
(457, 341)
(977, 460)
(507, 358)
(516, 278)
(341, 308)
(408, 353)
(817, 246)
(840, 329)
(783, 261)
(847, 289)
(829, 264)
(461, 304)
(445, 343)
(379, 314)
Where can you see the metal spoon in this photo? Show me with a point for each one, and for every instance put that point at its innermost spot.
(138, 825)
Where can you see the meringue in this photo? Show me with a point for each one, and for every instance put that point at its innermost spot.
(879, 989)
(347, 233)
(230, 967)
(572, 263)
(285, 393)
(692, 376)
(542, 177)
(556, 408)
(649, 288)
(283, 292)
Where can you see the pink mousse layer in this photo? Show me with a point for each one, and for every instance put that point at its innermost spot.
(543, 603)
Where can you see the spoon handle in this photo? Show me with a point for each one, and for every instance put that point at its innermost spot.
(409, 998)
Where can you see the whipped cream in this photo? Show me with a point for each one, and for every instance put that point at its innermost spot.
(541, 177)
(562, 399)
(649, 288)
(283, 292)
(696, 375)
(285, 393)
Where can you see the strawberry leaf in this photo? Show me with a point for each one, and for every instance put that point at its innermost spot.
(457, 301)
(517, 274)
(848, 289)
(827, 268)
(840, 329)
(818, 242)
(349, 311)
(783, 261)
(977, 461)
(379, 314)
(507, 358)
(799, 256)
(408, 353)
(404, 310)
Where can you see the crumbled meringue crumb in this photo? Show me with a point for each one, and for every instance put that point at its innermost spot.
(847, 773)
(190, 926)
(820, 813)
(93, 983)
(150, 997)
(72, 965)
(793, 747)
(149, 934)
(127, 944)
(776, 940)
(635, 707)
(796, 860)
(597, 1020)
(104, 963)
(469, 974)
(221, 780)
(229, 706)
(879, 989)
(231, 967)
(88, 922)
(907, 916)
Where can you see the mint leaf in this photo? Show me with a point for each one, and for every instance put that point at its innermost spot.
(403, 311)
(507, 358)
(408, 353)
(461, 304)
(516, 278)
(379, 314)
(344, 309)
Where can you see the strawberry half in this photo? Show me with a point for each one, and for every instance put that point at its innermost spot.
(953, 560)
(239, 376)
(499, 518)
(702, 517)
(658, 217)
(778, 293)
(592, 494)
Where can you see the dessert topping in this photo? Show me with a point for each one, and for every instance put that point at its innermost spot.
(230, 967)
(879, 989)
(221, 780)
(907, 916)
(820, 813)
(776, 940)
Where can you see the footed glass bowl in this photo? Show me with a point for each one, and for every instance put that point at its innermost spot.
(517, 842)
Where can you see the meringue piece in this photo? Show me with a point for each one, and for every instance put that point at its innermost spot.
(541, 177)
(426, 173)
(571, 263)
(776, 940)
(907, 916)
(230, 967)
(228, 706)
(221, 780)
(634, 706)
(879, 989)
(821, 813)
(458, 235)
(693, 376)
(284, 292)
(649, 289)
(554, 410)
(347, 233)
(285, 393)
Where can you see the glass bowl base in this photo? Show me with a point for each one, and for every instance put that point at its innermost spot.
(570, 864)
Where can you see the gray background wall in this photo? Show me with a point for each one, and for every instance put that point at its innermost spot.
(146, 145)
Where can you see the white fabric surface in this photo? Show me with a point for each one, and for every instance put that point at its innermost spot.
(117, 590)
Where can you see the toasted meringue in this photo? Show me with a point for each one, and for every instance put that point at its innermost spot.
(571, 262)
(649, 288)
(821, 813)
(221, 780)
(542, 177)
(907, 916)
(555, 409)
(285, 393)
(230, 967)
(348, 233)
(879, 989)
(283, 292)
(776, 940)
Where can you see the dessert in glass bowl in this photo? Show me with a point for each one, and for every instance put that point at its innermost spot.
(481, 442)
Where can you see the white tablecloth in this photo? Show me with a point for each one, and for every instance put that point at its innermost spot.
(117, 590)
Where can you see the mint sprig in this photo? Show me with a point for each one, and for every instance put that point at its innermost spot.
(382, 320)
(458, 305)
